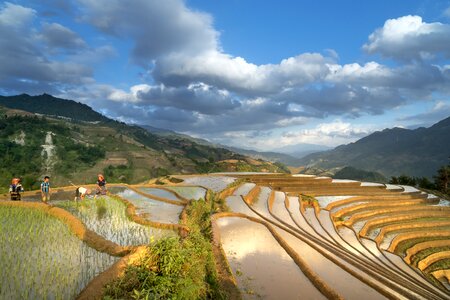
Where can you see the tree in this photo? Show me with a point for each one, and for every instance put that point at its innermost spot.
(442, 179)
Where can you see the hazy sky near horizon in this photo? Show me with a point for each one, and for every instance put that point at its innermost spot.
(247, 73)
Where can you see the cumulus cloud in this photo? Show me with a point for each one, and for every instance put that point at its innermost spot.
(409, 37)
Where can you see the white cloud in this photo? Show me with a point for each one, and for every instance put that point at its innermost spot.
(409, 37)
(333, 133)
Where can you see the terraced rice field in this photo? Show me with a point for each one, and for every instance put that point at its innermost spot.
(348, 239)
(41, 259)
(284, 237)
(54, 251)
(106, 216)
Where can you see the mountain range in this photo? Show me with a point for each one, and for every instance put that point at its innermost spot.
(391, 152)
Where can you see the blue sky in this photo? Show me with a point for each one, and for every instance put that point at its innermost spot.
(260, 74)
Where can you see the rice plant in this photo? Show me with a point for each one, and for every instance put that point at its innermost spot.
(41, 259)
(107, 217)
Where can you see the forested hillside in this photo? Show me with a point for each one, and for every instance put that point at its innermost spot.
(125, 153)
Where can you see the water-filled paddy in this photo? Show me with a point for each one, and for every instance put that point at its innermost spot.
(244, 189)
(41, 259)
(214, 183)
(159, 193)
(153, 210)
(262, 271)
(107, 217)
(325, 200)
(189, 192)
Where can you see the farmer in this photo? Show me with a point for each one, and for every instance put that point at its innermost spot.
(101, 185)
(81, 192)
(45, 189)
(15, 189)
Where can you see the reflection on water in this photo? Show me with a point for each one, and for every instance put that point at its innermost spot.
(244, 189)
(189, 192)
(214, 183)
(150, 209)
(159, 193)
(325, 200)
(261, 266)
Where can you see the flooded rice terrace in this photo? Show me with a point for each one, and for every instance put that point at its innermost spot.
(279, 240)
(107, 217)
(151, 209)
(281, 246)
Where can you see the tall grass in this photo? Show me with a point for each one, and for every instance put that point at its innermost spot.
(175, 268)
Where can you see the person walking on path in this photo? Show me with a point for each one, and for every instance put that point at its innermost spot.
(45, 189)
(101, 185)
(15, 189)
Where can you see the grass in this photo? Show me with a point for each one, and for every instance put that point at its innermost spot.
(175, 268)
(41, 259)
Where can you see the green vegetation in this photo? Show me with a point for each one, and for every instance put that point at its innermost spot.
(309, 200)
(72, 156)
(405, 245)
(21, 151)
(442, 264)
(107, 217)
(83, 138)
(427, 252)
(118, 174)
(176, 268)
(47, 104)
(41, 259)
(441, 181)
(361, 175)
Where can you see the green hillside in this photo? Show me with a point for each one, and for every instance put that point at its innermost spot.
(360, 175)
(48, 105)
(82, 149)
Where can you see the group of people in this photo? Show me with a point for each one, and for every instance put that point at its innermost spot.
(16, 189)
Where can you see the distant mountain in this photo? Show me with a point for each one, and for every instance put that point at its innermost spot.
(391, 152)
(176, 135)
(301, 150)
(268, 156)
(360, 175)
(285, 159)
